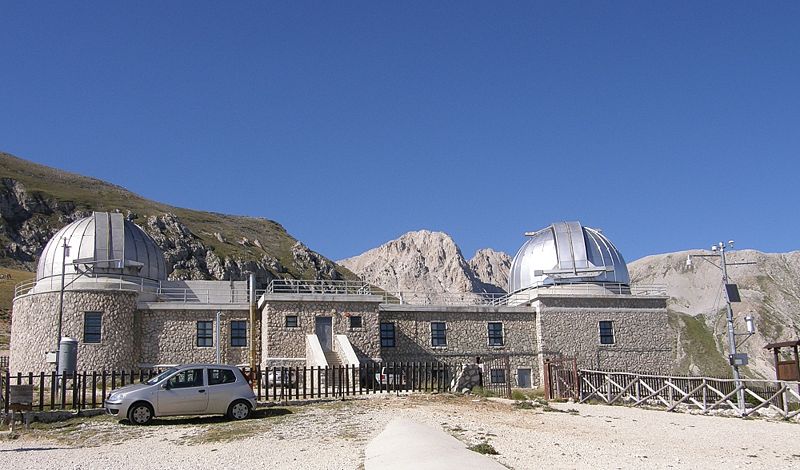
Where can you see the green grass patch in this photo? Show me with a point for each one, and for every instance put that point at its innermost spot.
(482, 392)
(484, 448)
(699, 346)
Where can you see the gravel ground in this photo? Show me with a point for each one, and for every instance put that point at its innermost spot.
(333, 435)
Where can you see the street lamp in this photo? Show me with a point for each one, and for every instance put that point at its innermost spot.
(731, 295)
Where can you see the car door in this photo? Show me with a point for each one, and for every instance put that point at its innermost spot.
(222, 389)
(183, 393)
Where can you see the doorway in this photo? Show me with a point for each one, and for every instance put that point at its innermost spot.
(323, 329)
(524, 378)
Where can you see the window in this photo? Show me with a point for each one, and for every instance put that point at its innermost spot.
(355, 322)
(606, 332)
(92, 327)
(387, 335)
(187, 378)
(220, 376)
(495, 334)
(291, 321)
(238, 333)
(205, 334)
(497, 376)
(438, 333)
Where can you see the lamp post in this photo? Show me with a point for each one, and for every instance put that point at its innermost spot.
(64, 254)
(731, 295)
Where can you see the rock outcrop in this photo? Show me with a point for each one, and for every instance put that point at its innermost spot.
(422, 261)
(492, 268)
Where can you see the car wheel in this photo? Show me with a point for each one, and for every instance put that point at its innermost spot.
(140, 413)
(239, 410)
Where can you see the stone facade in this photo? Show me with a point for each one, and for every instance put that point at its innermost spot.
(169, 335)
(286, 346)
(148, 333)
(642, 340)
(34, 329)
(466, 335)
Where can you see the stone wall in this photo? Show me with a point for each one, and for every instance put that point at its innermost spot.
(467, 335)
(286, 346)
(643, 341)
(34, 329)
(169, 336)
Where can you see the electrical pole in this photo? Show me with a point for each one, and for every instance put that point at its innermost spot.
(731, 327)
(735, 359)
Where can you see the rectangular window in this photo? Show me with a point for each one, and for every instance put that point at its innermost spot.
(606, 332)
(291, 321)
(497, 376)
(220, 376)
(92, 327)
(187, 378)
(387, 335)
(355, 322)
(438, 333)
(495, 334)
(238, 333)
(205, 334)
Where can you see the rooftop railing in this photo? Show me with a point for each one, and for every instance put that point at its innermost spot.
(344, 287)
(225, 295)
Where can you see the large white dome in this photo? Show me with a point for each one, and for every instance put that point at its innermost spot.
(567, 253)
(103, 243)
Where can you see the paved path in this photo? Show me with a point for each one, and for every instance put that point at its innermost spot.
(405, 444)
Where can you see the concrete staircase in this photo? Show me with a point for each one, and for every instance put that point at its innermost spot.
(332, 358)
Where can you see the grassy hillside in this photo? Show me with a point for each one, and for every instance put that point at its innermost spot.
(95, 195)
(52, 197)
(8, 279)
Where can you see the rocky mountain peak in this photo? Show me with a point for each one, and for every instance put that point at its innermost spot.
(491, 267)
(420, 261)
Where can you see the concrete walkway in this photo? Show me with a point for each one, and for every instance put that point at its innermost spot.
(406, 444)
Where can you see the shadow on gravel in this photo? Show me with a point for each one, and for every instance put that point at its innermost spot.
(31, 449)
(200, 420)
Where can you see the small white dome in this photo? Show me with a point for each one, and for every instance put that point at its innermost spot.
(106, 243)
(567, 253)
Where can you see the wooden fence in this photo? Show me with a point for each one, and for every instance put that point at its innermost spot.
(87, 390)
(702, 393)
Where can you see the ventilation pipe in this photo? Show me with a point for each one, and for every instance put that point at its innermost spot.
(252, 297)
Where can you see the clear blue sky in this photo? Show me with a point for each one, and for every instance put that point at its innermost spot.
(669, 125)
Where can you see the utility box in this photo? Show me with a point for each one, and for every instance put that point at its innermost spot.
(67, 355)
(738, 359)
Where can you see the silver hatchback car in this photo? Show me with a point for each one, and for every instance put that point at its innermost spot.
(192, 389)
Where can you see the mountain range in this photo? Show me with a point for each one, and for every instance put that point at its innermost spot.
(36, 201)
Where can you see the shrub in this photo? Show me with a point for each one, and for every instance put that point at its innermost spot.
(484, 448)
(482, 392)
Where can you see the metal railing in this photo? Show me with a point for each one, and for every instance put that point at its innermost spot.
(602, 290)
(320, 286)
(137, 284)
(335, 287)
(344, 287)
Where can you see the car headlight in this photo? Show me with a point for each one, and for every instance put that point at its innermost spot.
(114, 396)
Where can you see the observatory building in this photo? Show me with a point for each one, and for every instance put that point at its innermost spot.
(103, 281)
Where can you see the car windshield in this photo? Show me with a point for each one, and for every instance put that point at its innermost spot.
(162, 376)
